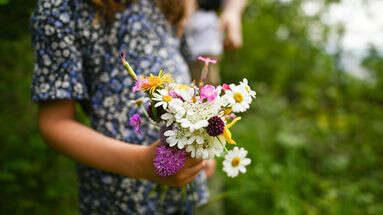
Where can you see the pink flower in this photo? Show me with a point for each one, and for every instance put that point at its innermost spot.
(226, 87)
(205, 68)
(207, 60)
(208, 92)
(138, 85)
(135, 121)
(232, 116)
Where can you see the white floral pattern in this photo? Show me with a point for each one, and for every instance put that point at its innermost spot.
(77, 59)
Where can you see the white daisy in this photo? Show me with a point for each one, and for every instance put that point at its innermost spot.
(237, 98)
(177, 136)
(235, 162)
(162, 97)
(244, 83)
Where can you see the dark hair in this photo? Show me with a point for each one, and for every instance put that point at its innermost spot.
(214, 5)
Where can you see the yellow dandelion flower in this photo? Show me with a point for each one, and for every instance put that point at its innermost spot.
(155, 81)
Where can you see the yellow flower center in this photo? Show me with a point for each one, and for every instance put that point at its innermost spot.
(194, 99)
(235, 162)
(166, 98)
(227, 111)
(155, 81)
(238, 97)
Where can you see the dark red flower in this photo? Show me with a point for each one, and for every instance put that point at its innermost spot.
(216, 126)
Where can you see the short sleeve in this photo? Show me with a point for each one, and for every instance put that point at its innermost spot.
(58, 72)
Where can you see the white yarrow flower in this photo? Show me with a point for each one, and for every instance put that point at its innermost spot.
(197, 114)
(198, 137)
(208, 149)
(193, 125)
(177, 137)
(235, 162)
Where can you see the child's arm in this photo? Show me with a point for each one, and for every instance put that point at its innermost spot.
(60, 130)
(231, 22)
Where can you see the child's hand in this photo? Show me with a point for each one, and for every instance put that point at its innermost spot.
(210, 168)
(191, 169)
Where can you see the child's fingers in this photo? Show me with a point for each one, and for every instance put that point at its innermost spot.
(156, 143)
(191, 178)
(186, 175)
(194, 174)
(188, 172)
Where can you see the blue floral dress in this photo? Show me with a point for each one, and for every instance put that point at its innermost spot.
(77, 58)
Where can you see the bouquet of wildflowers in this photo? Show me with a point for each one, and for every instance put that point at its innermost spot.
(194, 120)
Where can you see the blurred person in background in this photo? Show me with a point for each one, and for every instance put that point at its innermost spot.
(209, 31)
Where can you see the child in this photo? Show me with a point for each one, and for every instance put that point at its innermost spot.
(77, 44)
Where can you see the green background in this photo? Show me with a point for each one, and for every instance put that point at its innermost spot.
(314, 133)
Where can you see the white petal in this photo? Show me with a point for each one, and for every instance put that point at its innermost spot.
(168, 123)
(245, 161)
(158, 104)
(166, 116)
(242, 169)
(199, 140)
(169, 133)
(171, 141)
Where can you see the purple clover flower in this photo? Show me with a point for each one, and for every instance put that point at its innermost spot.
(168, 160)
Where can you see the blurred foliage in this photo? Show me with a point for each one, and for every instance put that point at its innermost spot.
(314, 135)
(33, 179)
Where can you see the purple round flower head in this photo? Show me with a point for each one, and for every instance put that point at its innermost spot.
(168, 160)
(160, 110)
(216, 126)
